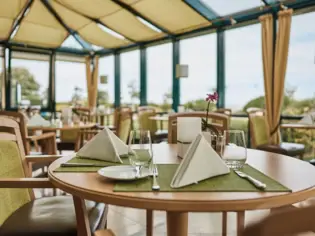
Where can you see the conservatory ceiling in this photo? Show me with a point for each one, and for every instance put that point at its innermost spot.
(91, 25)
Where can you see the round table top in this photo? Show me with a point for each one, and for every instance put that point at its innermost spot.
(63, 127)
(295, 174)
(298, 126)
(159, 118)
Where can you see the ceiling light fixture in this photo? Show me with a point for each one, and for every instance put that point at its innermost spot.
(111, 32)
(143, 21)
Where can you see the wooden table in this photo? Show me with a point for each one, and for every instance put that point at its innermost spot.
(64, 127)
(297, 126)
(293, 173)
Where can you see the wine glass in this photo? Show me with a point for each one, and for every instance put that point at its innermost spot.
(233, 148)
(140, 150)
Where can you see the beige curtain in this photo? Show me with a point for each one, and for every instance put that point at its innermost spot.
(267, 56)
(274, 97)
(280, 68)
(92, 82)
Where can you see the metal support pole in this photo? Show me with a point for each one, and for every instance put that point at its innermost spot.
(143, 77)
(117, 80)
(8, 83)
(221, 68)
(176, 81)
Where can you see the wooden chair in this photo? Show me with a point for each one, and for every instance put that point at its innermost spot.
(86, 135)
(290, 222)
(84, 113)
(20, 212)
(218, 121)
(124, 125)
(145, 123)
(46, 141)
(259, 132)
(117, 115)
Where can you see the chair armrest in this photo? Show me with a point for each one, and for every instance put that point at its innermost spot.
(42, 158)
(42, 136)
(25, 183)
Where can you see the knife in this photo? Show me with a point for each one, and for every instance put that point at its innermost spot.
(81, 165)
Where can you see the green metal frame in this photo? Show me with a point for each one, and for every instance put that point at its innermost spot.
(176, 81)
(8, 83)
(221, 68)
(143, 76)
(117, 80)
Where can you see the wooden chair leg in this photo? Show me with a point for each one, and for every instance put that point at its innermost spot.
(224, 223)
(149, 219)
(240, 222)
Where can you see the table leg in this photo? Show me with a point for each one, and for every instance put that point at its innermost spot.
(224, 223)
(177, 223)
(150, 218)
(240, 222)
(83, 224)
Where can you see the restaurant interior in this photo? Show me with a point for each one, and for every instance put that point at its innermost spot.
(157, 117)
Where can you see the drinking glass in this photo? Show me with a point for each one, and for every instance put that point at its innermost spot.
(140, 149)
(233, 149)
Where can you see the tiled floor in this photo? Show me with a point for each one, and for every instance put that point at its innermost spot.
(131, 222)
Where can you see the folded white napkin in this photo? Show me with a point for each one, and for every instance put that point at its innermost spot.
(308, 119)
(200, 162)
(37, 120)
(105, 146)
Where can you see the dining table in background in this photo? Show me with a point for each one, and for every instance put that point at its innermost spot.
(297, 175)
(159, 118)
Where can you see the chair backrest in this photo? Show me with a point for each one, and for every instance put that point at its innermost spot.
(117, 114)
(20, 119)
(69, 136)
(125, 125)
(84, 113)
(259, 128)
(12, 165)
(218, 121)
(145, 123)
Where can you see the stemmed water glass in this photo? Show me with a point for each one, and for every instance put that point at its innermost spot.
(140, 150)
(233, 148)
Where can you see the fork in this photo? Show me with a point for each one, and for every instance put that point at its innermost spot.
(254, 181)
(155, 173)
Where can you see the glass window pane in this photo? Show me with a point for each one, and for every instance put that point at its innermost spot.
(228, 7)
(159, 76)
(130, 77)
(244, 72)
(29, 83)
(71, 88)
(71, 42)
(200, 55)
(106, 90)
(299, 92)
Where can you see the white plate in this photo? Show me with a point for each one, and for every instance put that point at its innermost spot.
(123, 172)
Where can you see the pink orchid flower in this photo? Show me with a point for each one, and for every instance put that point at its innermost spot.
(212, 97)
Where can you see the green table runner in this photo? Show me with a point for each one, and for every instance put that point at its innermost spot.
(224, 183)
